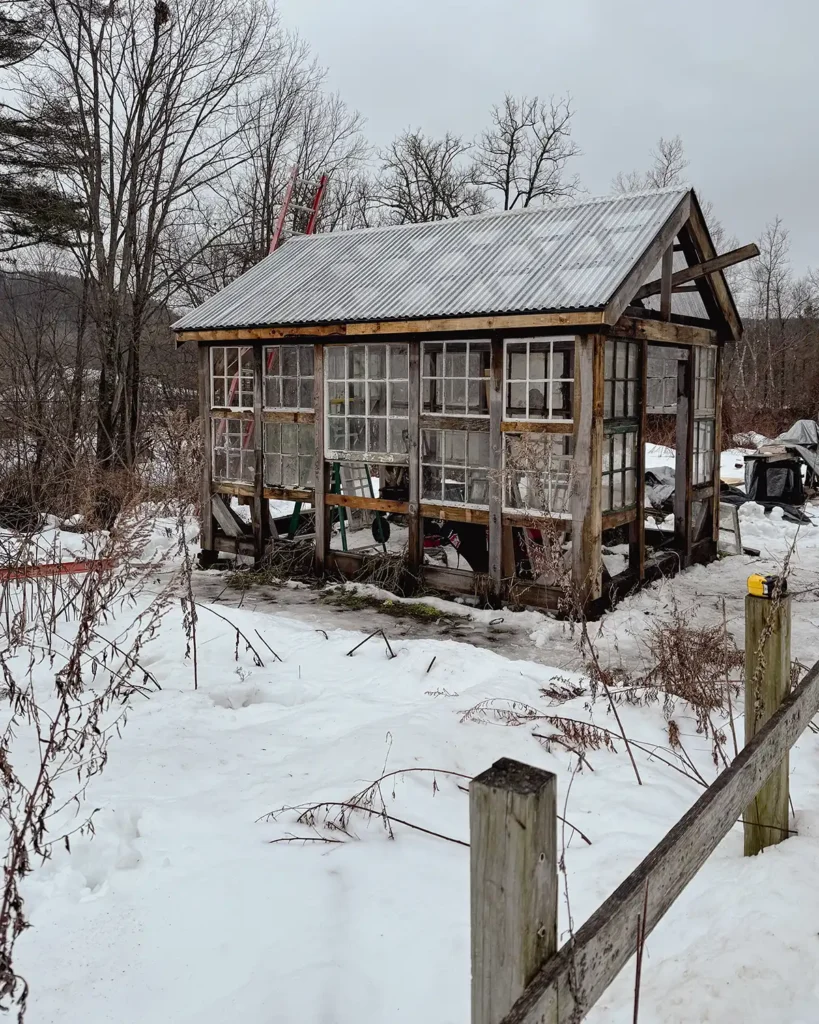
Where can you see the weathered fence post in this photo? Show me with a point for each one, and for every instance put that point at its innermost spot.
(513, 878)
(767, 681)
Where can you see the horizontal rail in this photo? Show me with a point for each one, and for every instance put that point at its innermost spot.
(570, 983)
(41, 569)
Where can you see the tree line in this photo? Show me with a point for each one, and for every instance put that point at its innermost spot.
(146, 149)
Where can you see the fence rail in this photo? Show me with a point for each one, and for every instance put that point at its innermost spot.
(570, 981)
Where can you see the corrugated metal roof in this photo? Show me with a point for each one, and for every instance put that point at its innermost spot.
(565, 257)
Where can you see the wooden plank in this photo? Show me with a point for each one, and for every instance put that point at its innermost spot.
(234, 489)
(496, 482)
(239, 334)
(662, 332)
(535, 594)
(206, 483)
(717, 445)
(611, 520)
(289, 494)
(665, 284)
(534, 519)
(415, 531)
(693, 273)
(637, 534)
(574, 979)
(234, 545)
(537, 427)
(587, 466)
(684, 460)
(322, 526)
(232, 414)
(767, 681)
(716, 281)
(664, 238)
(285, 416)
(454, 513)
(456, 581)
(260, 520)
(225, 518)
(374, 504)
(513, 882)
(306, 333)
(477, 323)
(431, 421)
(507, 550)
(345, 562)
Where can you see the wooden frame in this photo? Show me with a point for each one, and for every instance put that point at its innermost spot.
(622, 318)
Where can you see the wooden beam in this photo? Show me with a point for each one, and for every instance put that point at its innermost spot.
(283, 416)
(665, 284)
(587, 467)
(537, 427)
(611, 520)
(322, 526)
(574, 979)
(454, 513)
(206, 482)
(512, 321)
(683, 465)
(432, 421)
(496, 481)
(664, 238)
(716, 281)
(661, 331)
(456, 581)
(513, 882)
(681, 277)
(374, 504)
(226, 519)
(415, 531)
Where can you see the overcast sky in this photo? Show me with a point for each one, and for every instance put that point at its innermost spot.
(738, 80)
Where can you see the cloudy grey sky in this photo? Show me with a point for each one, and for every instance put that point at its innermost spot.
(737, 79)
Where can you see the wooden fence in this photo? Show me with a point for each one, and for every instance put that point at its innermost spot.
(518, 975)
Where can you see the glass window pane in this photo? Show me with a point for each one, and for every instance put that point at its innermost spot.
(516, 361)
(272, 437)
(431, 482)
(218, 361)
(619, 398)
(336, 398)
(562, 398)
(538, 361)
(398, 362)
(307, 439)
(306, 360)
(621, 354)
(477, 486)
(433, 359)
(430, 445)
(516, 401)
(455, 395)
(399, 435)
(306, 393)
(356, 403)
(335, 362)
(455, 446)
(563, 360)
(219, 392)
(399, 398)
(455, 359)
(289, 438)
(539, 400)
(335, 433)
(454, 485)
(376, 362)
(357, 428)
(290, 393)
(377, 434)
(609, 359)
(356, 361)
(478, 448)
(478, 398)
(290, 361)
(378, 398)
(306, 466)
(231, 361)
(478, 359)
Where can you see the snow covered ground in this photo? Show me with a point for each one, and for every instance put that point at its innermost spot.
(182, 910)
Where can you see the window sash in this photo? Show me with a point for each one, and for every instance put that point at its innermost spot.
(456, 388)
(455, 467)
(233, 450)
(366, 393)
(619, 470)
(288, 377)
(538, 473)
(544, 390)
(622, 379)
(232, 377)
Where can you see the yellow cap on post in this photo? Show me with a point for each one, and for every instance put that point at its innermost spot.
(766, 586)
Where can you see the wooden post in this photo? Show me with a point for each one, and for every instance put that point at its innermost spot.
(684, 463)
(637, 529)
(415, 533)
(496, 482)
(513, 879)
(260, 514)
(767, 682)
(665, 283)
(322, 523)
(206, 535)
(587, 466)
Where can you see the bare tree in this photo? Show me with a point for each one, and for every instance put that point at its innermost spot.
(159, 99)
(523, 155)
(667, 168)
(424, 179)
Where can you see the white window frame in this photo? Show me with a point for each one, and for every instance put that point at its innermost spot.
(630, 380)
(485, 346)
(548, 381)
(445, 464)
(702, 456)
(366, 455)
(705, 372)
(244, 352)
(247, 452)
(626, 468)
(304, 455)
(281, 377)
(550, 481)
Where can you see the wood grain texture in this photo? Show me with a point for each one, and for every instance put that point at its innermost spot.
(206, 482)
(496, 482)
(415, 531)
(537, 427)
(513, 883)
(693, 273)
(574, 979)
(767, 681)
(665, 283)
(587, 467)
(661, 332)
(375, 504)
(322, 526)
(664, 238)
(454, 513)
(285, 416)
(227, 521)
(716, 281)
(619, 518)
